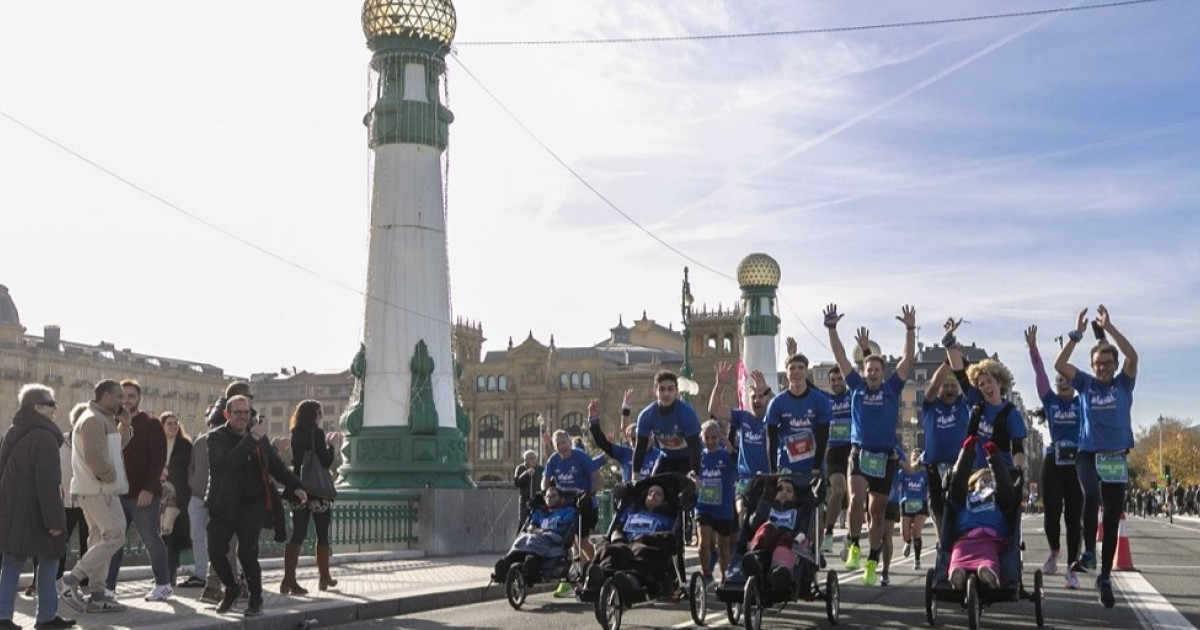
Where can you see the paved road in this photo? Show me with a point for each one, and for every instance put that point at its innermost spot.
(1168, 557)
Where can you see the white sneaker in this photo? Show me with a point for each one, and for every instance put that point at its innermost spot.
(907, 549)
(161, 593)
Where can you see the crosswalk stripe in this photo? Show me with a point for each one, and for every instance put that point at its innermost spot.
(1154, 611)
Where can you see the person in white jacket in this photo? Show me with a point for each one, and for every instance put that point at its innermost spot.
(99, 481)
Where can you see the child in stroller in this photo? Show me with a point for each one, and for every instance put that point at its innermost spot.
(982, 531)
(779, 524)
(544, 544)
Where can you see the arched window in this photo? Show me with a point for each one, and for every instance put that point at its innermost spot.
(564, 381)
(491, 387)
(480, 383)
(572, 423)
(728, 343)
(574, 380)
(491, 437)
(502, 383)
(711, 344)
(530, 435)
(587, 380)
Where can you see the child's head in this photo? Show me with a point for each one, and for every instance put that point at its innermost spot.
(981, 478)
(655, 497)
(785, 490)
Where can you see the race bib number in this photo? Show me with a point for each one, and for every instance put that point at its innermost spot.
(639, 525)
(671, 442)
(1112, 467)
(784, 519)
(872, 464)
(800, 446)
(913, 506)
(982, 501)
(710, 492)
(839, 431)
(1064, 453)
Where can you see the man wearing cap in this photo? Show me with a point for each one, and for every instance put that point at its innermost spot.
(34, 518)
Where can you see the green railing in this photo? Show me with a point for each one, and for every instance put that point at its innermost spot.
(354, 526)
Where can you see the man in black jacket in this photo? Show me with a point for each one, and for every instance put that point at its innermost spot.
(241, 464)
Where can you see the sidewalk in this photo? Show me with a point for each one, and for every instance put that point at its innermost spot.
(370, 586)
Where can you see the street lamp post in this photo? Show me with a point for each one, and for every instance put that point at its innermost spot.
(685, 309)
(1160, 452)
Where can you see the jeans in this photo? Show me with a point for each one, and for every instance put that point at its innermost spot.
(246, 527)
(146, 520)
(10, 574)
(1111, 496)
(198, 519)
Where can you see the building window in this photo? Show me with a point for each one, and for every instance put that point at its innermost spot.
(572, 423)
(574, 380)
(587, 380)
(564, 381)
(712, 343)
(502, 383)
(491, 383)
(491, 437)
(921, 375)
(277, 410)
(728, 347)
(530, 433)
(480, 383)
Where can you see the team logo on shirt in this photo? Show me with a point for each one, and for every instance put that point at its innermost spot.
(945, 421)
(753, 437)
(1107, 400)
(1066, 415)
(840, 408)
(872, 398)
(985, 429)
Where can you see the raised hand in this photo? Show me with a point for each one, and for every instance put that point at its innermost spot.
(831, 316)
(863, 338)
(627, 401)
(722, 370)
(908, 316)
(951, 325)
(792, 346)
(1031, 336)
(1102, 317)
(760, 381)
(1081, 321)
(594, 408)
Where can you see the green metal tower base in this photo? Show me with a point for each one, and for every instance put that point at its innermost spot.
(392, 458)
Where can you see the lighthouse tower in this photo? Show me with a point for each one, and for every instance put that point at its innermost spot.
(402, 421)
(758, 276)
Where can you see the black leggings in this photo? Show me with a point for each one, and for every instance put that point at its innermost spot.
(300, 525)
(1061, 492)
(1111, 496)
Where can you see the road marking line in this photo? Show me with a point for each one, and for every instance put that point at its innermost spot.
(1154, 611)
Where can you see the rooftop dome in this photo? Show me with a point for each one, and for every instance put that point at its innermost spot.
(758, 270)
(432, 20)
(8, 310)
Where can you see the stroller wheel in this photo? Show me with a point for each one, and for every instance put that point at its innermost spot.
(752, 605)
(972, 602)
(931, 602)
(733, 610)
(1038, 596)
(514, 587)
(697, 598)
(609, 607)
(833, 598)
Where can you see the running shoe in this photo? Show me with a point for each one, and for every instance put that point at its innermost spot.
(1072, 581)
(563, 590)
(1104, 585)
(1050, 566)
(161, 593)
(101, 604)
(917, 563)
(907, 549)
(1088, 560)
(988, 577)
(869, 574)
(883, 578)
(708, 579)
(853, 558)
(827, 543)
(958, 579)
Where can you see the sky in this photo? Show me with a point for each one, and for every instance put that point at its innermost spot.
(1008, 171)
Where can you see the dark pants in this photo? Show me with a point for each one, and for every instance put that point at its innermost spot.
(1111, 496)
(300, 518)
(246, 527)
(1062, 494)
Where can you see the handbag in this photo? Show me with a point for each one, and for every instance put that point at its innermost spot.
(317, 481)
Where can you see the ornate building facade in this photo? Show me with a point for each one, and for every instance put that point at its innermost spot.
(73, 369)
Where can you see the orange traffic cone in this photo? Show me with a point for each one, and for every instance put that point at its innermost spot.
(1124, 559)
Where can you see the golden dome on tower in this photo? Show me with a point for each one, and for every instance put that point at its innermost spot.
(758, 270)
(432, 20)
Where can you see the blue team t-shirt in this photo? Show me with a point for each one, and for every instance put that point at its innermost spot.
(796, 419)
(572, 474)
(636, 523)
(558, 520)
(670, 430)
(980, 510)
(752, 443)
(1106, 425)
(987, 424)
(839, 419)
(718, 473)
(945, 429)
(624, 456)
(1062, 417)
(874, 414)
(915, 492)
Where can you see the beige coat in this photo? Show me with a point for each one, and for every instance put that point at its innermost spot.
(96, 459)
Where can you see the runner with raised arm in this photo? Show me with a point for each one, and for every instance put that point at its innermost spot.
(620, 453)
(751, 430)
(1105, 433)
(944, 413)
(673, 424)
(874, 416)
(1059, 482)
(993, 418)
